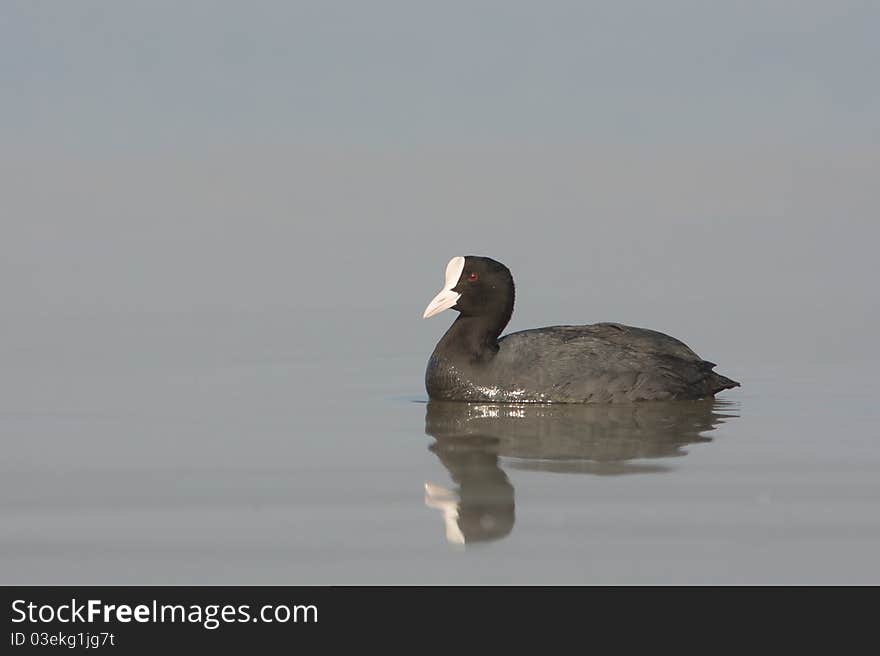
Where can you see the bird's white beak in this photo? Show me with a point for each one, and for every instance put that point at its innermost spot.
(446, 298)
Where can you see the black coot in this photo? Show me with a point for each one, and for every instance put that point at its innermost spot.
(599, 363)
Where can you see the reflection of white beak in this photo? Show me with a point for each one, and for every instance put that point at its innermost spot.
(446, 298)
(446, 501)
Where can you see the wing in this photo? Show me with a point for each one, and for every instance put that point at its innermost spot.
(605, 362)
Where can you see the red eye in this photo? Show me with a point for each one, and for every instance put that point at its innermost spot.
(473, 277)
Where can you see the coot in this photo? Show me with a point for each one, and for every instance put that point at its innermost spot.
(598, 363)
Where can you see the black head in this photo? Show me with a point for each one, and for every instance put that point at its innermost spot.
(476, 287)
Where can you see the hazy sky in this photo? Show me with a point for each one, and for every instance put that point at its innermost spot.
(707, 166)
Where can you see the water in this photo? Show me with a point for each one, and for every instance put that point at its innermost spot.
(252, 448)
(216, 246)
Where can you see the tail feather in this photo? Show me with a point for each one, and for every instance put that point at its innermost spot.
(718, 383)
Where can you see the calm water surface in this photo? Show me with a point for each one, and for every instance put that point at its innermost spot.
(258, 449)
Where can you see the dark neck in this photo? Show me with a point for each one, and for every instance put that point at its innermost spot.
(473, 337)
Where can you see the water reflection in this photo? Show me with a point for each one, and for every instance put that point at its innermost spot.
(605, 440)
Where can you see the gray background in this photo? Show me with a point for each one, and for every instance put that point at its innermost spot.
(222, 221)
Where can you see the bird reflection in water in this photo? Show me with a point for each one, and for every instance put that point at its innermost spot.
(604, 440)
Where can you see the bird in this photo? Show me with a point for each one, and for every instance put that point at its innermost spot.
(596, 363)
